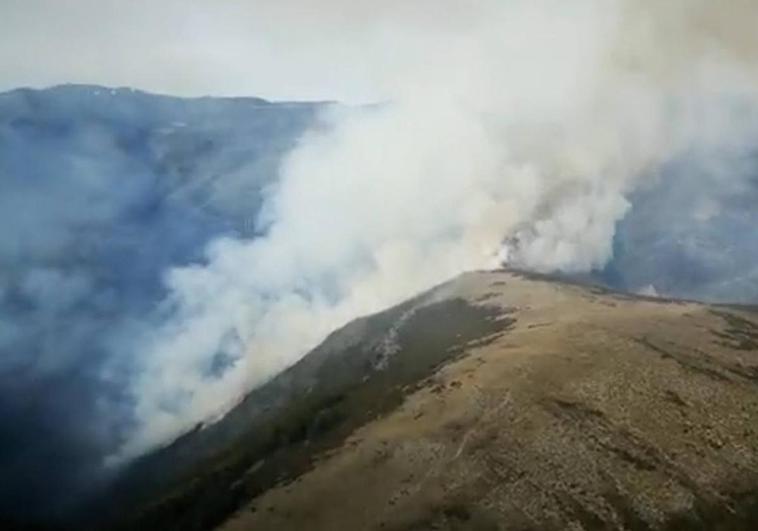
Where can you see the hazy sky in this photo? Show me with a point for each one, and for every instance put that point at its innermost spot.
(346, 50)
(278, 50)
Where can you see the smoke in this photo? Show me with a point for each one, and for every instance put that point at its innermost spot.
(100, 192)
(517, 132)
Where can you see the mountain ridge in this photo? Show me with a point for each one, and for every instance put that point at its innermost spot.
(108, 90)
(524, 328)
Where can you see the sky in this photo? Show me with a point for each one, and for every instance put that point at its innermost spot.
(353, 51)
(206, 47)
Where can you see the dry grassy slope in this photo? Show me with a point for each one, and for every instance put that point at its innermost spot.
(595, 411)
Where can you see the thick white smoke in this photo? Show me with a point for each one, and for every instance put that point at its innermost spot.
(513, 131)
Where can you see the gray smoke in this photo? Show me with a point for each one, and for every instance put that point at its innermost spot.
(517, 132)
(101, 191)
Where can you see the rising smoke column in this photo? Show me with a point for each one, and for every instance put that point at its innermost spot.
(513, 131)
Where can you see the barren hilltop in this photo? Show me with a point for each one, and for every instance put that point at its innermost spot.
(497, 401)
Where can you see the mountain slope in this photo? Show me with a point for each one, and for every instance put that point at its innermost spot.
(359, 372)
(594, 411)
(495, 401)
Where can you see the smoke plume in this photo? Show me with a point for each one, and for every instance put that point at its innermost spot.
(512, 132)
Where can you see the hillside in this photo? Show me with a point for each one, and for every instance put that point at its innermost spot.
(496, 401)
